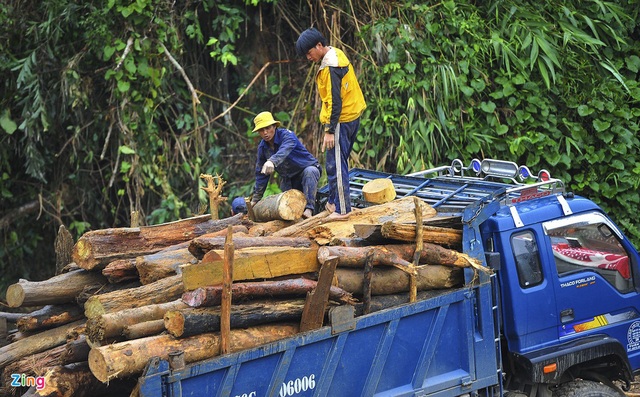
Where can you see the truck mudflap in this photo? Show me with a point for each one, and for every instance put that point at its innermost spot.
(441, 346)
(599, 352)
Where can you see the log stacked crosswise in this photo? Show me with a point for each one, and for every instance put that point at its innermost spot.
(136, 293)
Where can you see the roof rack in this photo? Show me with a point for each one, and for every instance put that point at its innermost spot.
(451, 189)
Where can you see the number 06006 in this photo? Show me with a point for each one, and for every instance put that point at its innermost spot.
(298, 385)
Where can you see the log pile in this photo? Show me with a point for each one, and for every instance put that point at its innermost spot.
(205, 286)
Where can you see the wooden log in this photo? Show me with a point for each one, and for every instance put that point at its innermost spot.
(62, 288)
(430, 234)
(92, 290)
(253, 263)
(35, 343)
(366, 284)
(129, 358)
(187, 322)
(431, 254)
(199, 246)
(379, 191)
(95, 249)
(161, 291)
(162, 264)
(74, 380)
(386, 281)
(399, 210)
(50, 316)
(11, 317)
(120, 270)
(76, 350)
(317, 300)
(225, 303)
(413, 287)
(140, 330)
(286, 206)
(211, 295)
(63, 246)
(111, 325)
(268, 228)
(358, 256)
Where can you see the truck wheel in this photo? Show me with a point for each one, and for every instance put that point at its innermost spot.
(586, 388)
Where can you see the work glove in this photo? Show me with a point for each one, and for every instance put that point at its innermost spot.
(268, 168)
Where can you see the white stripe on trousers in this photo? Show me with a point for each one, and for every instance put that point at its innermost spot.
(339, 170)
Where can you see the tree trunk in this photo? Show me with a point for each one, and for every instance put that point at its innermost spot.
(357, 256)
(112, 325)
(188, 322)
(50, 316)
(120, 270)
(286, 206)
(58, 289)
(92, 290)
(163, 264)
(76, 380)
(35, 343)
(430, 234)
(97, 248)
(129, 358)
(211, 295)
(393, 281)
(161, 291)
(140, 330)
(201, 245)
(253, 263)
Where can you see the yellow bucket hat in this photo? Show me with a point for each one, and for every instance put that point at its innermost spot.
(264, 119)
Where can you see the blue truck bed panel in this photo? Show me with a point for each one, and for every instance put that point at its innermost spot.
(441, 346)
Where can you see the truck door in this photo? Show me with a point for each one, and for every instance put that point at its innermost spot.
(595, 269)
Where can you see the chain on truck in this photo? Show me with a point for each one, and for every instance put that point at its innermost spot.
(558, 315)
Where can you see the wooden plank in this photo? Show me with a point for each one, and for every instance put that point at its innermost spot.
(317, 300)
(252, 264)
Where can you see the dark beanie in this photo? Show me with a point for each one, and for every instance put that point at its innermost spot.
(308, 39)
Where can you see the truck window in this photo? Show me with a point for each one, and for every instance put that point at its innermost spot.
(589, 244)
(525, 252)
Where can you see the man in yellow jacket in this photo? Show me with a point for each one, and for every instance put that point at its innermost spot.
(342, 106)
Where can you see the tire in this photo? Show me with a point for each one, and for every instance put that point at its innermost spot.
(587, 388)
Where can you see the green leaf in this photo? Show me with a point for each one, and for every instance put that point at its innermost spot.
(488, 107)
(107, 52)
(601, 125)
(8, 125)
(123, 86)
(126, 150)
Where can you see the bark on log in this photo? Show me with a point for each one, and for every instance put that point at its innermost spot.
(286, 206)
(95, 249)
(211, 295)
(379, 191)
(432, 254)
(11, 317)
(111, 325)
(161, 291)
(35, 343)
(129, 358)
(253, 263)
(430, 234)
(62, 288)
(75, 380)
(140, 330)
(192, 321)
(357, 257)
(393, 281)
(50, 316)
(268, 228)
(163, 264)
(120, 270)
(400, 210)
(92, 290)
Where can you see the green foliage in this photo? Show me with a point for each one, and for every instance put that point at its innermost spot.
(120, 106)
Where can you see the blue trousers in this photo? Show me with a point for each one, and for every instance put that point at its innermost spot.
(337, 166)
(305, 181)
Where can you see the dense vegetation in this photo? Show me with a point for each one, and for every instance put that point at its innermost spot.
(109, 107)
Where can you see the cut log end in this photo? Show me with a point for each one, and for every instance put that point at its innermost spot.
(98, 366)
(379, 191)
(15, 295)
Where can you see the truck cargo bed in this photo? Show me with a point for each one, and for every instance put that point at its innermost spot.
(432, 347)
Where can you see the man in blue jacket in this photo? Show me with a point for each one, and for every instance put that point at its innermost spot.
(280, 150)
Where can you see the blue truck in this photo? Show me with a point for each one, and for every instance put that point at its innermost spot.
(556, 314)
